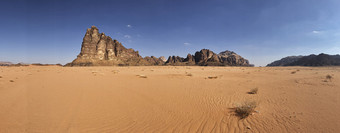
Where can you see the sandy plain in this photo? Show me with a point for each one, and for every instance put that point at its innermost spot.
(168, 99)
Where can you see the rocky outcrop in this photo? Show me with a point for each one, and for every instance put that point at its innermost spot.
(310, 60)
(154, 60)
(162, 58)
(99, 49)
(285, 61)
(206, 57)
(175, 61)
(5, 63)
(230, 58)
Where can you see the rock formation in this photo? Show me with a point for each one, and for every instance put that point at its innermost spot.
(285, 61)
(99, 49)
(175, 61)
(162, 58)
(206, 57)
(311, 60)
(5, 63)
(230, 58)
(154, 60)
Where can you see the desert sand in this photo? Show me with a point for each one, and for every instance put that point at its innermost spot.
(168, 99)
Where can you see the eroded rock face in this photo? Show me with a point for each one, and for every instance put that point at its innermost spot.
(206, 57)
(175, 61)
(203, 55)
(5, 63)
(310, 60)
(163, 58)
(230, 58)
(99, 49)
(285, 61)
(154, 60)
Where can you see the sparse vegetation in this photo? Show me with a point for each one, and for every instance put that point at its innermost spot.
(329, 77)
(0, 76)
(11, 80)
(245, 109)
(189, 74)
(293, 72)
(142, 76)
(115, 71)
(212, 77)
(253, 91)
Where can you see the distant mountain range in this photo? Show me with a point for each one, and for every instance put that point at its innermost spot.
(97, 49)
(5, 63)
(310, 60)
(206, 57)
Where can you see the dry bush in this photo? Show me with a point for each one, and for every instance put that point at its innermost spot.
(142, 76)
(11, 80)
(293, 72)
(189, 74)
(115, 71)
(0, 76)
(245, 109)
(212, 77)
(329, 77)
(253, 91)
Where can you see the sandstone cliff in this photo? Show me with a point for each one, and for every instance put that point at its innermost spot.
(98, 49)
(206, 57)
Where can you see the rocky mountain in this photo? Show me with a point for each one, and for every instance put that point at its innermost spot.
(5, 63)
(98, 50)
(163, 58)
(285, 61)
(206, 57)
(230, 58)
(154, 60)
(310, 60)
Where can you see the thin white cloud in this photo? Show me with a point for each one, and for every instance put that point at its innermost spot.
(129, 26)
(316, 32)
(187, 44)
(127, 36)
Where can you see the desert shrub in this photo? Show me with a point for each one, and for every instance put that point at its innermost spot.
(329, 77)
(212, 77)
(189, 74)
(254, 91)
(115, 71)
(142, 76)
(245, 109)
(11, 80)
(293, 72)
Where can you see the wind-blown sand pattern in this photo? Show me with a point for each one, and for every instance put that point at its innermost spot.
(116, 99)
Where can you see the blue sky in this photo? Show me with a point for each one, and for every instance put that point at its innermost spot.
(51, 31)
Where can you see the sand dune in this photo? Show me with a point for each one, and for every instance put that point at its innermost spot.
(168, 99)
